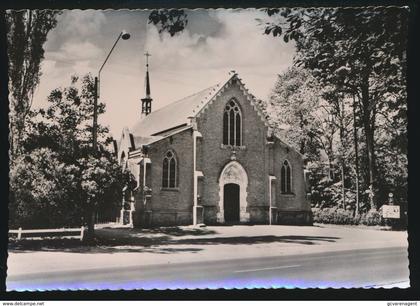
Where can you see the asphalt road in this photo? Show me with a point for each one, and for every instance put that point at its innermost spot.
(354, 268)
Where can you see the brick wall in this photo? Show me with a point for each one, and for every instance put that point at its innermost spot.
(212, 158)
(169, 206)
(292, 208)
(259, 159)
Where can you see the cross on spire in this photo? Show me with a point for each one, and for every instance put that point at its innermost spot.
(147, 100)
(147, 54)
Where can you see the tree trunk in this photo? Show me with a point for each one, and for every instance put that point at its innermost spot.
(342, 149)
(91, 223)
(343, 190)
(369, 134)
(16, 134)
(356, 155)
(330, 158)
(11, 141)
(330, 173)
(302, 142)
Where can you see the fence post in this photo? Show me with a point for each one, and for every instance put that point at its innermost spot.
(19, 233)
(82, 232)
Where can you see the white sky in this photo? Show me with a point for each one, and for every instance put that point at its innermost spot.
(214, 42)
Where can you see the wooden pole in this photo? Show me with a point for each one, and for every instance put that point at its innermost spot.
(19, 233)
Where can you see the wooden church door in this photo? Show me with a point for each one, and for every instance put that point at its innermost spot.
(231, 203)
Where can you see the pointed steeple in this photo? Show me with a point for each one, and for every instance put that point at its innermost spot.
(146, 106)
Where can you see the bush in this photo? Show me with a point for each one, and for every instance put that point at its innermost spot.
(48, 193)
(334, 215)
(42, 192)
(372, 217)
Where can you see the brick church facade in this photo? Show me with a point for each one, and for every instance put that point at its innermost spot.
(210, 158)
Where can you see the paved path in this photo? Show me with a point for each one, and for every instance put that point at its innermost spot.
(305, 256)
(355, 268)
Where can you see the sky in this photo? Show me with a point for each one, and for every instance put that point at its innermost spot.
(213, 43)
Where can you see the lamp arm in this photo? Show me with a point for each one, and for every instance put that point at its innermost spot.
(112, 49)
(106, 59)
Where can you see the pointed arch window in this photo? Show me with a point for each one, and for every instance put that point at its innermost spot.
(232, 124)
(169, 175)
(286, 178)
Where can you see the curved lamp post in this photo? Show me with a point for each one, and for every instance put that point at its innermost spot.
(124, 35)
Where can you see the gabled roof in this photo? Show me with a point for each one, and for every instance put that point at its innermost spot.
(177, 115)
(174, 115)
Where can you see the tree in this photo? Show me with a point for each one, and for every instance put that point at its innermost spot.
(60, 137)
(27, 33)
(66, 125)
(360, 51)
(101, 184)
(341, 118)
(312, 116)
(295, 105)
(43, 191)
(171, 21)
(358, 58)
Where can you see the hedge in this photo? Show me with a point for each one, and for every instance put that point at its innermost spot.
(334, 215)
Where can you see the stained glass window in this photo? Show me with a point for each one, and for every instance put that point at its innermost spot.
(232, 124)
(286, 178)
(169, 171)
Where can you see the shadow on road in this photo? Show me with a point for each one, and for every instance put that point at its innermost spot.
(258, 239)
(158, 240)
(177, 231)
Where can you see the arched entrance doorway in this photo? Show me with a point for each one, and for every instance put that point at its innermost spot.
(233, 183)
(231, 202)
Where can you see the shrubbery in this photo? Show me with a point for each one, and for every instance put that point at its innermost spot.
(372, 217)
(334, 215)
(55, 181)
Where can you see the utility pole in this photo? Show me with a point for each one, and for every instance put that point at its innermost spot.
(95, 119)
(124, 35)
(91, 219)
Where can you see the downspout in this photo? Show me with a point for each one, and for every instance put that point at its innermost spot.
(270, 153)
(270, 179)
(145, 161)
(144, 174)
(196, 134)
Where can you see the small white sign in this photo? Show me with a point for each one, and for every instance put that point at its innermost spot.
(391, 211)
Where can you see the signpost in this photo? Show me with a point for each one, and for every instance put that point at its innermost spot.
(391, 211)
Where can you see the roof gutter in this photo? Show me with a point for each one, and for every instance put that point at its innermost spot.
(170, 129)
(169, 135)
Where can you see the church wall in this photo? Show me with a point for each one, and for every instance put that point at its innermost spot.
(212, 157)
(169, 206)
(292, 208)
(259, 158)
(134, 167)
(124, 144)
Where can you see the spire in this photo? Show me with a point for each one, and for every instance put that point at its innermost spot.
(146, 106)
(147, 54)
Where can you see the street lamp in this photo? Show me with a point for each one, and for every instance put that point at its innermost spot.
(124, 35)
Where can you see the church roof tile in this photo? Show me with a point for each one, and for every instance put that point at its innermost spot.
(175, 115)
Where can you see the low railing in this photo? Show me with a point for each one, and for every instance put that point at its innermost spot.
(58, 232)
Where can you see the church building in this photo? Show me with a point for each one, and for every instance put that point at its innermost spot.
(210, 158)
